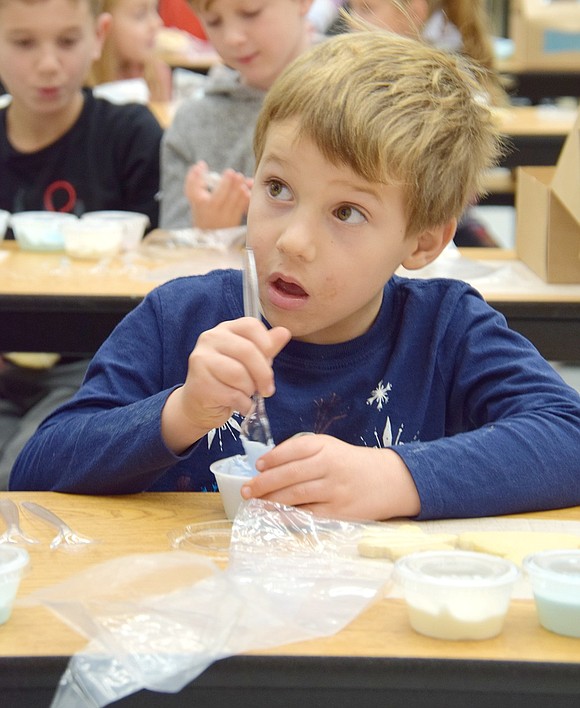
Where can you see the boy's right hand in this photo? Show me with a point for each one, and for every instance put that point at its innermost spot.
(228, 364)
(221, 206)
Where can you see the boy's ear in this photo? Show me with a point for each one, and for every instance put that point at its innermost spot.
(429, 245)
(103, 25)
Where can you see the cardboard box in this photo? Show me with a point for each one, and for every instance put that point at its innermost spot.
(546, 34)
(548, 215)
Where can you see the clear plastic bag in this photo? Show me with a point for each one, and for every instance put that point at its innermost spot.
(216, 239)
(157, 621)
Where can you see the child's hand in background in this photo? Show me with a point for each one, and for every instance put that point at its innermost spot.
(332, 478)
(217, 206)
(228, 364)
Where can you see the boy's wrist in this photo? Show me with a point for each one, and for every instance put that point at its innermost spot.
(177, 430)
(399, 496)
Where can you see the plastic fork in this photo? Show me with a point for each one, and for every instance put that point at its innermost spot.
(65, 536)
(13, 533)
(256, 433)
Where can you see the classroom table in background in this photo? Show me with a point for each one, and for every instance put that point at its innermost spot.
(52, 303)
(375, 662)
(536, 85)
(534, 134)
(49, 302)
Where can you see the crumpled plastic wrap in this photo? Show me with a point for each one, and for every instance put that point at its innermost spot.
(157, 621)
(216, 239)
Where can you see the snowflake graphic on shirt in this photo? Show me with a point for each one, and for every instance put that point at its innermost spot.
(380, 395)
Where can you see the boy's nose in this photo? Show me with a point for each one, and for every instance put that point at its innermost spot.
(48, 60)
(234, 34)
(298, 239)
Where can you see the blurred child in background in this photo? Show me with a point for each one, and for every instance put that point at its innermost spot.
(129, 48)
(62, 149)
(256, 40)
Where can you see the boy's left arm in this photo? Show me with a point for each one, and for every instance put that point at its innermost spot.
(510, 442)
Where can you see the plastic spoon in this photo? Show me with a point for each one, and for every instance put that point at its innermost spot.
(256, 433)
(13, 533)
(65, 535)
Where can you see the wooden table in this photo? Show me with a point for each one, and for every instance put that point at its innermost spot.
(535, 134)
(537, 85)
(53, 303)
(50, 303)
(376, 661)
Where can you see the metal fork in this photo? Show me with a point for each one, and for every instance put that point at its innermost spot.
(13, 533)
(255, 426)
(65, 535)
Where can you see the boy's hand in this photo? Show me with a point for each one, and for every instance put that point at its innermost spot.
(219, 206)
(229, 363)
(332, 478)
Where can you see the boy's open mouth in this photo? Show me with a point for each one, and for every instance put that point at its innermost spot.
(289, 289)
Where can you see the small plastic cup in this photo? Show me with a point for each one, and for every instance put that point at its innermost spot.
(555, 579)
(13, 561)
(231, 474)
(40, 230)
(456, 595)
(92, 239)
(132, 223)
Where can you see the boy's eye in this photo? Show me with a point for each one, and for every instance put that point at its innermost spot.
(251, 13)
(349, 214)
(211, 21)
(67, 42)
(277, 190)
(23, 43)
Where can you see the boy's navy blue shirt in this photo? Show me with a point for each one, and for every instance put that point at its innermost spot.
(482, 421)
(109, 159)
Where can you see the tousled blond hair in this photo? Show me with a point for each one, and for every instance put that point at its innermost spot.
(396, 111)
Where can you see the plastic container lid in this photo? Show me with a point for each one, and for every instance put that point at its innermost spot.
(12, 559)
(463, 569)
(558, 566)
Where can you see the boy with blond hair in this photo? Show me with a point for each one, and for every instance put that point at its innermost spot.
(256, 40)
(422, 401)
